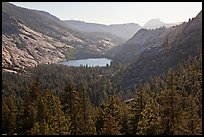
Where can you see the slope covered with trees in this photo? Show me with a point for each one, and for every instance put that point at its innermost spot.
(170, 105)
(153, 59)
(156, 90)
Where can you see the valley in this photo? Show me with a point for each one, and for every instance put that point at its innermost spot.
(71, 77)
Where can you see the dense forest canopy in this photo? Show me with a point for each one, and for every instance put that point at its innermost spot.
(56, 99)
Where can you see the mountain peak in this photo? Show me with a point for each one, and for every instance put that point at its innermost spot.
(157, 23)
(155, 19)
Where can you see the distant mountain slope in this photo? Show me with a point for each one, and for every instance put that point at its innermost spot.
(143, 39)
(125, 31)
(157, 23)
(39, 21)
(85, 27)
(30, 37)
(183, 41)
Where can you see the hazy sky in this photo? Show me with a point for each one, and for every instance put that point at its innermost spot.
(118, 12)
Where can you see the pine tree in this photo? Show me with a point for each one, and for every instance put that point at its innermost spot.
(112, 117)
(6, 117)
(99, 118)
(170, 100)
(136, 107)
(70, 106)
(190, 123)
(42, 110)
(85, 115)
(58, 122)
(9, 115)
(125, 120)
(150, 123)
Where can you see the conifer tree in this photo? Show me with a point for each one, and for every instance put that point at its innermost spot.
(113, 117)
(190, 121)
(136, 107)
(58, 122)
(9, 114)
(85, 115)
(99, 118)
(170, 100)
(150, 123)
(125, 120)
(70, 106)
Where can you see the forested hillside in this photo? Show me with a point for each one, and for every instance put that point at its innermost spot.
(151, 86)
(152, 52)
(170, 105)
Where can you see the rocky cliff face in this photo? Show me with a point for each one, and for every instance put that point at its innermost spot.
(28, 48)
(27, 44)
(30, 37)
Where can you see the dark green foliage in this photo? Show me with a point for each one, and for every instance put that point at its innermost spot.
(87, 101)
(100, 80)
(150, 122)
(136, 107)
(112, 117)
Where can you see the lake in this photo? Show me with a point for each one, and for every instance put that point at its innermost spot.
(92, 62)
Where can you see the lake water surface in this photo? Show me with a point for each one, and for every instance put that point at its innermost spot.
(92, 62)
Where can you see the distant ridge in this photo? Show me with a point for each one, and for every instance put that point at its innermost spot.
(125, 31)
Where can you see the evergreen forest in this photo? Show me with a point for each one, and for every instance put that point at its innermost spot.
(53, 99)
